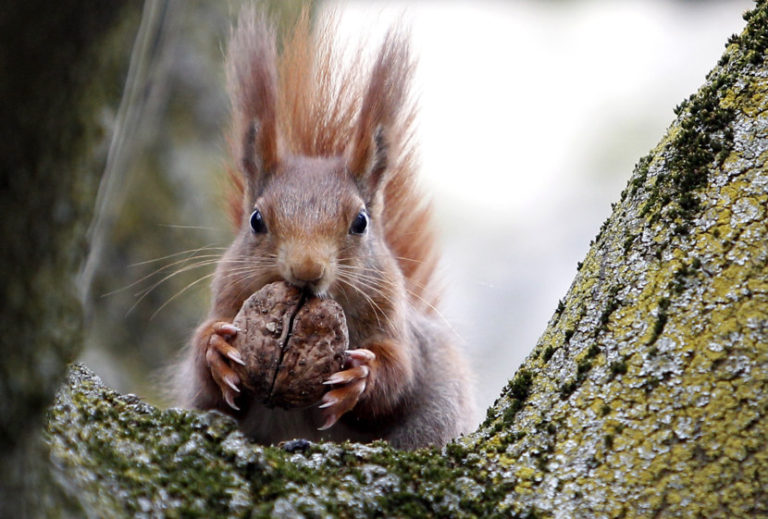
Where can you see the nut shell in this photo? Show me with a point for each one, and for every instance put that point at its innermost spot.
(291, 343)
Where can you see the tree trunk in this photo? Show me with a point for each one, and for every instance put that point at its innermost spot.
(646, 396)
(63, 64)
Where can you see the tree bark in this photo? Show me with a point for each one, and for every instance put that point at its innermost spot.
(647, 395)
(63, 64)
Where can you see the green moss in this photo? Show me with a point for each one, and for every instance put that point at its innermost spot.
(704, 138)
(520, 386)
(628, 241)
(661, 320)
(457, 451)
(517, 390)
(603, 228)
(679, 280)
(509, 413)
(618, 368)
(651, 383)
(696, 264)
(567, 389)
(612, 305)
(582, 368)
(565, 430)
(640, 174)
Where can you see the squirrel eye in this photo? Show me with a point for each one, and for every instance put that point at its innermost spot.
(360, 224)
(257, 222)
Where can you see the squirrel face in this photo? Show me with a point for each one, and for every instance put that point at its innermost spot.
(312, 221)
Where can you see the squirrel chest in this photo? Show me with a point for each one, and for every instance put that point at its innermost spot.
(326, 203)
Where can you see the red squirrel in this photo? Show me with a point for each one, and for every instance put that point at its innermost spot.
(327, 200)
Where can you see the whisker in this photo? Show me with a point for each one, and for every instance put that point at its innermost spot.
(180, 292)
(245, 269)
(180, 270)
(347, 282)
(188, 251)
(367, 274)
(211, 259)
(192, 255)
(186, 268)
(208, 260)
(216, 257)
(381, 256)
(378, 311)
(360, 271)
(412, 260)
(141, 295)
(192, 227)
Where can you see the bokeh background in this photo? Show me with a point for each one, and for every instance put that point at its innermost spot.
(532, 116)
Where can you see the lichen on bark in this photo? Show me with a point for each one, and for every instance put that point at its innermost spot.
(649, 385)
(120, 455)
(647, 395)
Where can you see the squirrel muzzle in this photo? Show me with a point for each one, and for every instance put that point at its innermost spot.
(306, 266)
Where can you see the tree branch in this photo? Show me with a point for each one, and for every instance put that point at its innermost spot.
(647, 394)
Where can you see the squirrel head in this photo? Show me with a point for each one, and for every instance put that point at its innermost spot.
(315, 221)
(331, 138)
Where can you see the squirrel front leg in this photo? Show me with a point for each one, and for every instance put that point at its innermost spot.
(217, 383)
(373, 384)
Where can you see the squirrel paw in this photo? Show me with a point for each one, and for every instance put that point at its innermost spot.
(352, 381)
(218, 354)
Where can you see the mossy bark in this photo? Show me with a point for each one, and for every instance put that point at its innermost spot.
(61, 69)
(647, 395)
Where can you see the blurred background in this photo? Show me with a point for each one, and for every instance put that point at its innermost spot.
(532, 116)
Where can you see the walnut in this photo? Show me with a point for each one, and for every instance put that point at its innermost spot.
(291, 343)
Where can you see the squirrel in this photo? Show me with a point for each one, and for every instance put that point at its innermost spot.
(326, 198)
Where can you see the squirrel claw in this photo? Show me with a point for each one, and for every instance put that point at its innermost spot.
(351, 384)
(224, 328)
(232, 385)
(360, 356)
(230, 401)
(339, 401)
(234, 356)
(218, 343)
(327, 402)
(329, 422)
(218, 352)
(345, 377)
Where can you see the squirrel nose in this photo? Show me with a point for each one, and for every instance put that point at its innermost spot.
(307, 271)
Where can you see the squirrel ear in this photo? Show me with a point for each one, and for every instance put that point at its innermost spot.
(369, 162)
(259, 156)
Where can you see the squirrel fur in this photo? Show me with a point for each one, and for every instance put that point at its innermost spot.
(326, 198)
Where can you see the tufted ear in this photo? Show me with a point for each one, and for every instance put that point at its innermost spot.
(259, 156)
(368, 163)
(382, 108)
(252, 86)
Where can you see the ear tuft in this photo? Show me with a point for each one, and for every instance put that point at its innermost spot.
(252, 86)
(384, 108)
(259, 157)
(369, 164)
(380, 153)
(249, 161)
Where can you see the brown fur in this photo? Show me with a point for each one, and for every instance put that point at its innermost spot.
(323, 104)
(321, 141)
